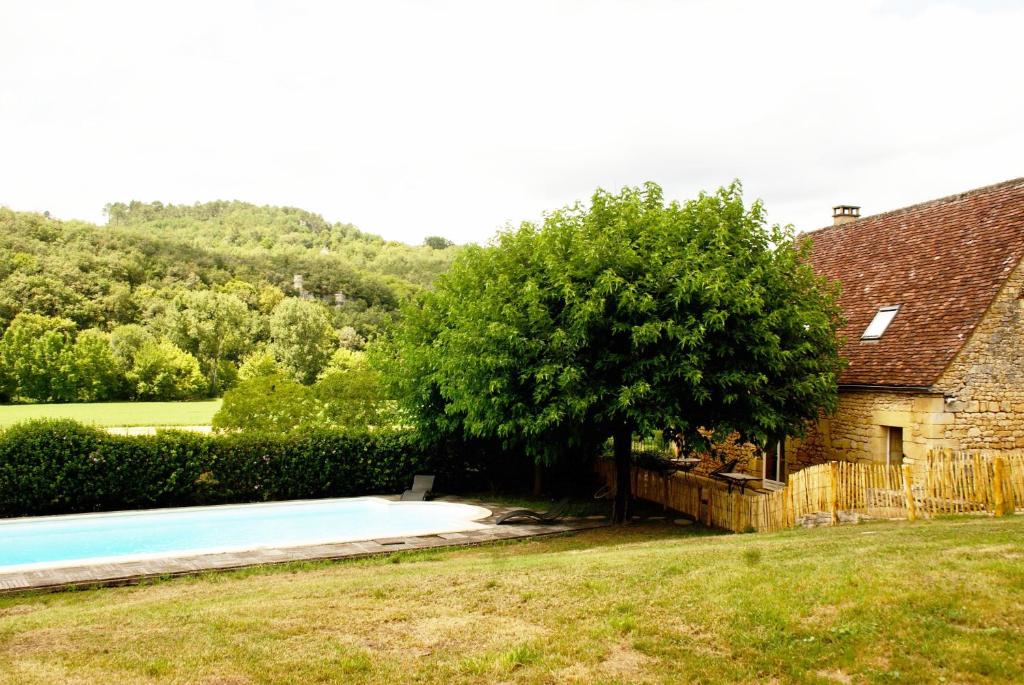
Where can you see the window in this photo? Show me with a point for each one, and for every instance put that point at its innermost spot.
(775, 462)
(882, 319)
(893, 445)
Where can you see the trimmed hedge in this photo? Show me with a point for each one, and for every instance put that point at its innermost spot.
(60, 467)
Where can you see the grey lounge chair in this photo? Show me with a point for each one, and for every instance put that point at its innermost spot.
(550, 516)
(421, 489)
(724, 468)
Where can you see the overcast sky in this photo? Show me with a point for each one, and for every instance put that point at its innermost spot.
(417, 118)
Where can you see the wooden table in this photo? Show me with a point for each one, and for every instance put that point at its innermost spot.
(737, 478)
(685, 463)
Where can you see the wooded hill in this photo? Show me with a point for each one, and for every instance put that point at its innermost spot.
(168, 301)
(101, 276)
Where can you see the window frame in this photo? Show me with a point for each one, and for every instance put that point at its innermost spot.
(780, 464)
(895, 309)
(888, 445)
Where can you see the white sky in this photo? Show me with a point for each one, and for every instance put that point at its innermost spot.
(453, 118)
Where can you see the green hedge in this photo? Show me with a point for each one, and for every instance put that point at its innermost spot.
(59, 467)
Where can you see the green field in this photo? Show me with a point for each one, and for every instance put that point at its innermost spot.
(116, 413)
(927, 602)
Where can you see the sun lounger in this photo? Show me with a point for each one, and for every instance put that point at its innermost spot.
(550, 516)
(724, 468)
(421, 489)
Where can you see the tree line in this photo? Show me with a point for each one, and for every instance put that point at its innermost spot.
(200, 345)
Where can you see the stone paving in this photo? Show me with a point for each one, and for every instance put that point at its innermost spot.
(130, 572)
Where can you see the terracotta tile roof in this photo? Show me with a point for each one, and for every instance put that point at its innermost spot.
(942, 261)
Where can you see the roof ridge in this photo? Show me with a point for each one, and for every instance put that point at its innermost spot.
(927, 203)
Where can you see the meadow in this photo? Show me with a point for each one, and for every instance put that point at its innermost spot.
(116, 413)
(931, 601)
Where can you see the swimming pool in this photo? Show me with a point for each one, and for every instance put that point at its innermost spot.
(80, 539)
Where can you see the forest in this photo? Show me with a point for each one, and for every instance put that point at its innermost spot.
(171, 302)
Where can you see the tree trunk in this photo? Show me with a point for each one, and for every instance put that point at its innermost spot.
(538, 479)
(623, 446)
(216, 366)
(213, 382)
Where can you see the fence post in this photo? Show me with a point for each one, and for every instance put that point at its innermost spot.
(998, 497)
(700, 503)
(737, 514)
(790, 518)
(833, 497)
(908, 490)
(979, 481)
(707, 509)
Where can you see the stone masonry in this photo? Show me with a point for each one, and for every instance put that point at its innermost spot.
(984, 385)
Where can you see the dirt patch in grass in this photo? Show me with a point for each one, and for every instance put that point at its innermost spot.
(624, 661)
(836, 676)
(621, 664)
(18, 610)
(700, 639)
(450, 630)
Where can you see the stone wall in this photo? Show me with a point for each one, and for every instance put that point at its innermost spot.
(858, 429)
(984, 385)
(726, 449)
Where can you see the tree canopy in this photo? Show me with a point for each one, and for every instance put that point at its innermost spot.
(631, 315)
(302, 338)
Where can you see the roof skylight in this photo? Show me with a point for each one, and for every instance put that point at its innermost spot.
(878, 325)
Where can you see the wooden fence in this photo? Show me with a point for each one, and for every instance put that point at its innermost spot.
(701, 498)
(946, 483)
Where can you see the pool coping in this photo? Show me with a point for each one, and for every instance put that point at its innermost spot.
(136, 571)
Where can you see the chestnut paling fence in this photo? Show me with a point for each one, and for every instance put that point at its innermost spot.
(944, 483)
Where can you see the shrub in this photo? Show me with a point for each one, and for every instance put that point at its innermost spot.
(162, 371)
(57, 467)
(349, 395)
(272, 403)
(93, 368)
(258, 363)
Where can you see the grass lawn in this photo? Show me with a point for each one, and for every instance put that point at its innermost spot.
(938, 601)
(116, 413)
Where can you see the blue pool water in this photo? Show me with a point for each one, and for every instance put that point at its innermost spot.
(88, 538)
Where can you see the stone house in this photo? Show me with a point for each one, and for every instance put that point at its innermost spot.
(933, 297)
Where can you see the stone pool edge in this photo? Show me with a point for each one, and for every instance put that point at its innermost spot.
(133, 572)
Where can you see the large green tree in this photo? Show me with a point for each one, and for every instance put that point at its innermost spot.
(624, 317)
(213, 327)
(93, 370)
(302, 338)
(35, 354)
(162, 371)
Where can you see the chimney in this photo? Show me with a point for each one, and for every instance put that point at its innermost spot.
(844, 214)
